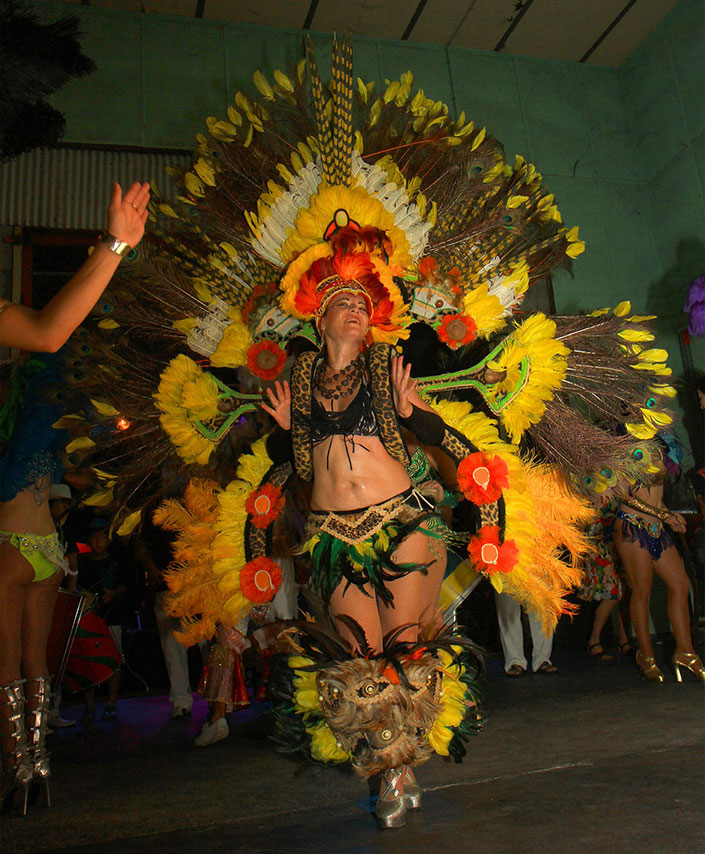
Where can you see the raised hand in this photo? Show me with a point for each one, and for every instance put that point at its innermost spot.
(403, 386)
(127, 214)
(280, 409)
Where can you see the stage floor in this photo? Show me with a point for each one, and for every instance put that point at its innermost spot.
(591, 759)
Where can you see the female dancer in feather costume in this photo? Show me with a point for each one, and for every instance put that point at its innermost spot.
(315, 230)
(31, 558)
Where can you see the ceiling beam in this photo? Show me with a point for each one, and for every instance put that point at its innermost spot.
(604, 35)
(414, 18)
(309, 15)
(510, 29)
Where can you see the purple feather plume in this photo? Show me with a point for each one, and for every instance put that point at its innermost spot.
(695, 307)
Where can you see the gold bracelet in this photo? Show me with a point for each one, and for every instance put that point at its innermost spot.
(114, 244)
(638, 504)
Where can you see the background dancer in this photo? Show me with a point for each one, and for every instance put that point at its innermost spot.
(31, 558)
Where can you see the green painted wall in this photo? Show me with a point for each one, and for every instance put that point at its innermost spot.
(621, 149)
(159, 77)
(663, 85)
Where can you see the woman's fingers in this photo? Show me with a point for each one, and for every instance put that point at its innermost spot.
(280, 394)
(116, 196)
(142, 199)
(137, 197)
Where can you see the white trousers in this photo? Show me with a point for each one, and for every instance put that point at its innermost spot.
(511, 633)
(175, 656)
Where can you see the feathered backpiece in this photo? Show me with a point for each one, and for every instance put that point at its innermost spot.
(310, 189)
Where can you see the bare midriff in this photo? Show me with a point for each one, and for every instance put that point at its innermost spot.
(353, 472)
(652, 495)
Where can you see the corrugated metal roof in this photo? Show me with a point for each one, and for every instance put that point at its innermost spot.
(70, 187)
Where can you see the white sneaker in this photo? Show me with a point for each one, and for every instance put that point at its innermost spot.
(57, 722)
(212, 733)
(180, 712)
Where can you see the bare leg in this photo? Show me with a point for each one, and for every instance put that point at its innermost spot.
(669, 567)
(16, 575)
(36, 622)
(217, 711)
(113, 688)
(624, 620)
(416, 594)
(638, 565)
(602, 613)
(623, 637)
(354, 603)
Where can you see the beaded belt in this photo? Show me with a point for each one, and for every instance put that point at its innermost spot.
(355, 526)
(653, 527)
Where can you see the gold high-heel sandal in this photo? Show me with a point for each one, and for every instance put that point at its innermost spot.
(412, 790)
(16, 761)
(391, 811)
(649, 668)
(688, 661)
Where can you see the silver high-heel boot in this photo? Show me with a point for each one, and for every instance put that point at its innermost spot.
(17, 768)
(391, 807)
(412, 790)
(38, 700)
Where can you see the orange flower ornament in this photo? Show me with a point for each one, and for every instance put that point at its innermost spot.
(265, 359)
(260, 579)
(482, 478)
(488, 555)
(264, 505)
(457, 330)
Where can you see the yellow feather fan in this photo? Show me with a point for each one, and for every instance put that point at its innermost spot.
(535, 364)
(541, 516)
(194, 595)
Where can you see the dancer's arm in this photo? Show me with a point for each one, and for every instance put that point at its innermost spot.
(49, 329)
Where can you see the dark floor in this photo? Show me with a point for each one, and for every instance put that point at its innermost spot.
(590, 760)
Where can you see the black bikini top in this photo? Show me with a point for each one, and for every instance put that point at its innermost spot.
(358, 419)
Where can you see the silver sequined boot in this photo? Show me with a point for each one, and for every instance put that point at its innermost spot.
(16, 764)
(38, 698)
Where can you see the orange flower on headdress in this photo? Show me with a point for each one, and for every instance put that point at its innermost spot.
(266, 359)
(482, 478)
(457, 330)
(489, 555)
(264, 505)
(260, 579)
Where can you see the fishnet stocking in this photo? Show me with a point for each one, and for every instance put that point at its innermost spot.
(361, 608)
(415, 595)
